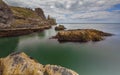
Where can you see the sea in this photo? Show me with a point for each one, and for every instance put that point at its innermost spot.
(89, 58)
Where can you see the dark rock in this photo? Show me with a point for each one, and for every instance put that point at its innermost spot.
(40, 13)
(60, 27)
(81, 35)
(6, 15)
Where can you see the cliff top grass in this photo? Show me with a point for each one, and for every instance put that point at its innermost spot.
(23, 12)
(1, 2)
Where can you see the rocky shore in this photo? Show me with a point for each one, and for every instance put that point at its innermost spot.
(81, 35)
(21, 64)
(21, 31)
(17, 20)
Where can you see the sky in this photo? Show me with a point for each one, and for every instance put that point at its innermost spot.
(75, 11)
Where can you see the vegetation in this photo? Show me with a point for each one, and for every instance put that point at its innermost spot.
(23, 12)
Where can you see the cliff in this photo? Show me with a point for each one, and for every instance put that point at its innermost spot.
(18, 17)
(21, 64)
(6, 15)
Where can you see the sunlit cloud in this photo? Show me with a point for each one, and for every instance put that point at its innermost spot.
(75, 10)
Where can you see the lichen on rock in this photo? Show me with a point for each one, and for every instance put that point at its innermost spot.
(21, 64)
(80, 35)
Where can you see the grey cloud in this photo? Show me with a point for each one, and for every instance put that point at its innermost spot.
(72, 9)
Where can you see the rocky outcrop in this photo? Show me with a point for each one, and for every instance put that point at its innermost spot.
(40, 13)
(80, 35)
(21, 31)
(60, 27)
(21, 64)
(6, 15)
(20, 20)
(16, 17)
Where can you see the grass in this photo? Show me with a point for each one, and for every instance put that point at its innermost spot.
(23, 12)
(1, 2)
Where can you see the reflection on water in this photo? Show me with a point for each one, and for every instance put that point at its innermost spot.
(7, 45)
(99, 58)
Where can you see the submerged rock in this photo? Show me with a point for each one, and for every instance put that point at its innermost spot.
(60, 27)
(21, 64)
(81, 35)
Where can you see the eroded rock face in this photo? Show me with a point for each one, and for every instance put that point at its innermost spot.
(21, 64)
(60, 27)
(40, 12)
(6, 15)
(18, 17)
(81, 35)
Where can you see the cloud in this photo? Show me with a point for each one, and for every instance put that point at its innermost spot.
(74, 10)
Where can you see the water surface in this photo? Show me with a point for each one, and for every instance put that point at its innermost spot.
(92, 58)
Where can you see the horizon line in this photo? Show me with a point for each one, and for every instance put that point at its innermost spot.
(88, 23)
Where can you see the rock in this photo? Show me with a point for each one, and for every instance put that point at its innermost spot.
(51, 20)
(80, 35)
(21, 64)
(60, 27)
(40, 13)
(14, 17)
(6, 15)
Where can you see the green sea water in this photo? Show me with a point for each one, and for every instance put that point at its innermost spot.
(91, 58)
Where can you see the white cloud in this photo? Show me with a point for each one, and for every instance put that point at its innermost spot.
(73, 9)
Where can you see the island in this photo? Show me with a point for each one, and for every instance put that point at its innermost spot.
(81, 35)
(20, 64)
(16, 21)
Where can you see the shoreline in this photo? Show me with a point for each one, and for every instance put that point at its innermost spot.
(21, 31)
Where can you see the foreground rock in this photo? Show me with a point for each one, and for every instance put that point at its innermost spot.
(60, 27)
(21, 64)
(81, 35)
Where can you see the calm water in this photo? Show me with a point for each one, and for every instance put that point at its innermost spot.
(92, 58)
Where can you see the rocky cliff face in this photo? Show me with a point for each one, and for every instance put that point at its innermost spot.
(21, 64)
(40, 13)
(17, 17)
(6, 15)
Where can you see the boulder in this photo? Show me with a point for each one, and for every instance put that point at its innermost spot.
(21, 64)
(80, 35)
(60, 27)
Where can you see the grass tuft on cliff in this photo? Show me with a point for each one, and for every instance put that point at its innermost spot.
(23, 12)
(1, 1)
